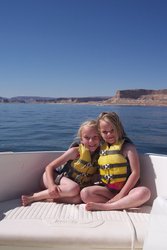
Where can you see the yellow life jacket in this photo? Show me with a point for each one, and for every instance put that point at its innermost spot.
(113, 165)
(84, 168)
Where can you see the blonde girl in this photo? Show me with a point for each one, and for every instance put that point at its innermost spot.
(81, 166)
(119, 170)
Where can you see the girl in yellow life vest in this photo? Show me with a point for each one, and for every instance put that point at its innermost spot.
(119, 170)
(113, 165)
(82, 167)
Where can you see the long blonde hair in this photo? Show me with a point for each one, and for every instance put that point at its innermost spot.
(89, 123)
(113, 118)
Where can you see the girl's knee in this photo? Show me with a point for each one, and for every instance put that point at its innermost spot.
(84, 194)
(144, 194)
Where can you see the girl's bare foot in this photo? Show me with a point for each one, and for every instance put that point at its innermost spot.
(26, 199)
(92, 206)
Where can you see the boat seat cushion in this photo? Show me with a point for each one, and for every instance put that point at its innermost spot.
(44, 225)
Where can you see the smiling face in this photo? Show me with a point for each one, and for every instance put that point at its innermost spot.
(108, 132)
(110, 127)
(90, 137)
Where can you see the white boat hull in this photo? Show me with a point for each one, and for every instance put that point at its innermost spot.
(44, 225)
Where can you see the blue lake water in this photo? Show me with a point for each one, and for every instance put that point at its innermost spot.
(36, 127)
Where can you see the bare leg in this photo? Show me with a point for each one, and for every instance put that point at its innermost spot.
(68, 187)
(68, 193)
(40, 196)
(28, 199)
(136, 197)
(70, 200)
(96, 194)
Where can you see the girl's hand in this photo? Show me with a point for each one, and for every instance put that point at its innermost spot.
(54, 191)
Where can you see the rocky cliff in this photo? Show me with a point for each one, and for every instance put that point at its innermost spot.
(139, 97)
(139, 93)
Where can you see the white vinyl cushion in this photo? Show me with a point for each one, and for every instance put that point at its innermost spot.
(45, 225)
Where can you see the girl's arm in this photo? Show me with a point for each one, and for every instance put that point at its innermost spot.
(70, 154)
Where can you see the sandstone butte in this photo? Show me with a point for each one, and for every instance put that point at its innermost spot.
(139, 97)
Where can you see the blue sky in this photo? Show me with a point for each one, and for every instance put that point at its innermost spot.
(79, 48)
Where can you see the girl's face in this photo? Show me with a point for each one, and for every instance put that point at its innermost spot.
(90, 138)
(108, 132)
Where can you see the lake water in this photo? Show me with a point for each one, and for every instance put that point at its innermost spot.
(44, 127)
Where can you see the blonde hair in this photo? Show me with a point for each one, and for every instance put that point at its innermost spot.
(112, 118)
(90, 123)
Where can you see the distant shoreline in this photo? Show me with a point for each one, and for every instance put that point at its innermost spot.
(132, 97)
(93, 103)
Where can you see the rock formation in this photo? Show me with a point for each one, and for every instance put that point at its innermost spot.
(139, 97)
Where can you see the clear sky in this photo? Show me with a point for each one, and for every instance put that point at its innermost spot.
(80, 48)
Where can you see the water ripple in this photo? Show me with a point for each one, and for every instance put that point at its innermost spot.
(31, 127)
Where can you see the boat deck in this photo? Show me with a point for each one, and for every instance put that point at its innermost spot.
(47, 225)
